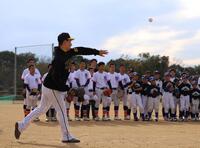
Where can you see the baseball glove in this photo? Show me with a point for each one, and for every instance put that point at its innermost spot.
(34, 92)
(107, 92)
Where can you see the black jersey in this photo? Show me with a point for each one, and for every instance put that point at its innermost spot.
(153, 91)
(184, 89)
(58, 75)
(145, 87)
(195, 94)
(168, 86)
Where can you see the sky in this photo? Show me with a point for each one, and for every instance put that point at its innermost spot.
(121, 27)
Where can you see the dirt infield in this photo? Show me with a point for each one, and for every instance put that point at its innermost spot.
(114, 134)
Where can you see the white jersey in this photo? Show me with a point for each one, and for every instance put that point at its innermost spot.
(26, 71)
(159, 83)
(101, 79)
(71, 79)
(199, 81)
(114, 79)
(82, 76)
(125, 79)
(32, 81)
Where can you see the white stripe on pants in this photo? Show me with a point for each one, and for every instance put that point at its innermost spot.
(50, 97)
(184, 103)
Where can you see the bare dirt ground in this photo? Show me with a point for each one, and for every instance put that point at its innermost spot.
(113, 134)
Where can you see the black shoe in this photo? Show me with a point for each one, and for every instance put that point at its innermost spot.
(73, 140)
(17, 132)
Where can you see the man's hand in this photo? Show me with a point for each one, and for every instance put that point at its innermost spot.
(103, 52)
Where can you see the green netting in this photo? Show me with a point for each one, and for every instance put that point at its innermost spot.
(12, 97)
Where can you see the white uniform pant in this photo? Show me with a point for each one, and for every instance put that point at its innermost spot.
(136, 100)
(168, 102)
(195, 106)
(115, 98)
(145, 104)
(101, 97)
(184, 103)
(50, 97)
(153, 104)
(32, 102)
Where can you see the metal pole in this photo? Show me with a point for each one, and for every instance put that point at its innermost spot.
(52, 46)
(15, 73)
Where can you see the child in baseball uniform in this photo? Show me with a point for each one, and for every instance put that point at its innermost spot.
(30, 61)
(71, 82)
(82, 77)
(134, 96)
(32, 83)
(122, 92)
(153, 98)
(195, 100)
(168, 99)
(184, 88)
(101, 82)
(145, 86)
(116, 82)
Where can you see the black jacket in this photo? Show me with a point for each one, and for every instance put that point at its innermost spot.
(58, 74)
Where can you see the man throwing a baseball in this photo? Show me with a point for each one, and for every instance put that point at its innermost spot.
(55, 88)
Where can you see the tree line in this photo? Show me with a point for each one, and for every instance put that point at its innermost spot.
(144, 62)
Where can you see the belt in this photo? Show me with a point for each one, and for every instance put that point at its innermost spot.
(101, 88)
(114, 88)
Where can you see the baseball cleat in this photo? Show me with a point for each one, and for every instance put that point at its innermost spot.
(86, 119)
(77, 119)
(17, 132)
(127, 118)
(36, 120)
(96, 118)
(54, 119)
(117, 118)
(104, 119)
(73, 140)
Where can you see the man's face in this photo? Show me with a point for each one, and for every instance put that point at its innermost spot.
(32, 70)
(157, 76)
(172, 73)
(101, 67)
(73, 67)
(82, 65)
(122, 69)
(67, 44)
(31, 62)
(112, 68)
(93, 64)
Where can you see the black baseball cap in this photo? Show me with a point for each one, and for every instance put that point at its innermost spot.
(64, 36)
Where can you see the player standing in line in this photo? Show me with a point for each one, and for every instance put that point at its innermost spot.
(32, 83)
(195, 100)
(71, 82)
(101, 82)
(176, 96)
(153, 98)
(54, 87)
(30, 61)
(168, 100)
(115, 83)
(145, 86)
(184, 88)
(122, 93)
(82, 77)
(135, 90)
(92, 69)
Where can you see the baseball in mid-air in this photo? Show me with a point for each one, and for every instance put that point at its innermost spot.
(150, 19)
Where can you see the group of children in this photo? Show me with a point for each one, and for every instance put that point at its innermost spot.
(140, 95)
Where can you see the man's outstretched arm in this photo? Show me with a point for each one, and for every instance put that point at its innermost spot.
(88, 51)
